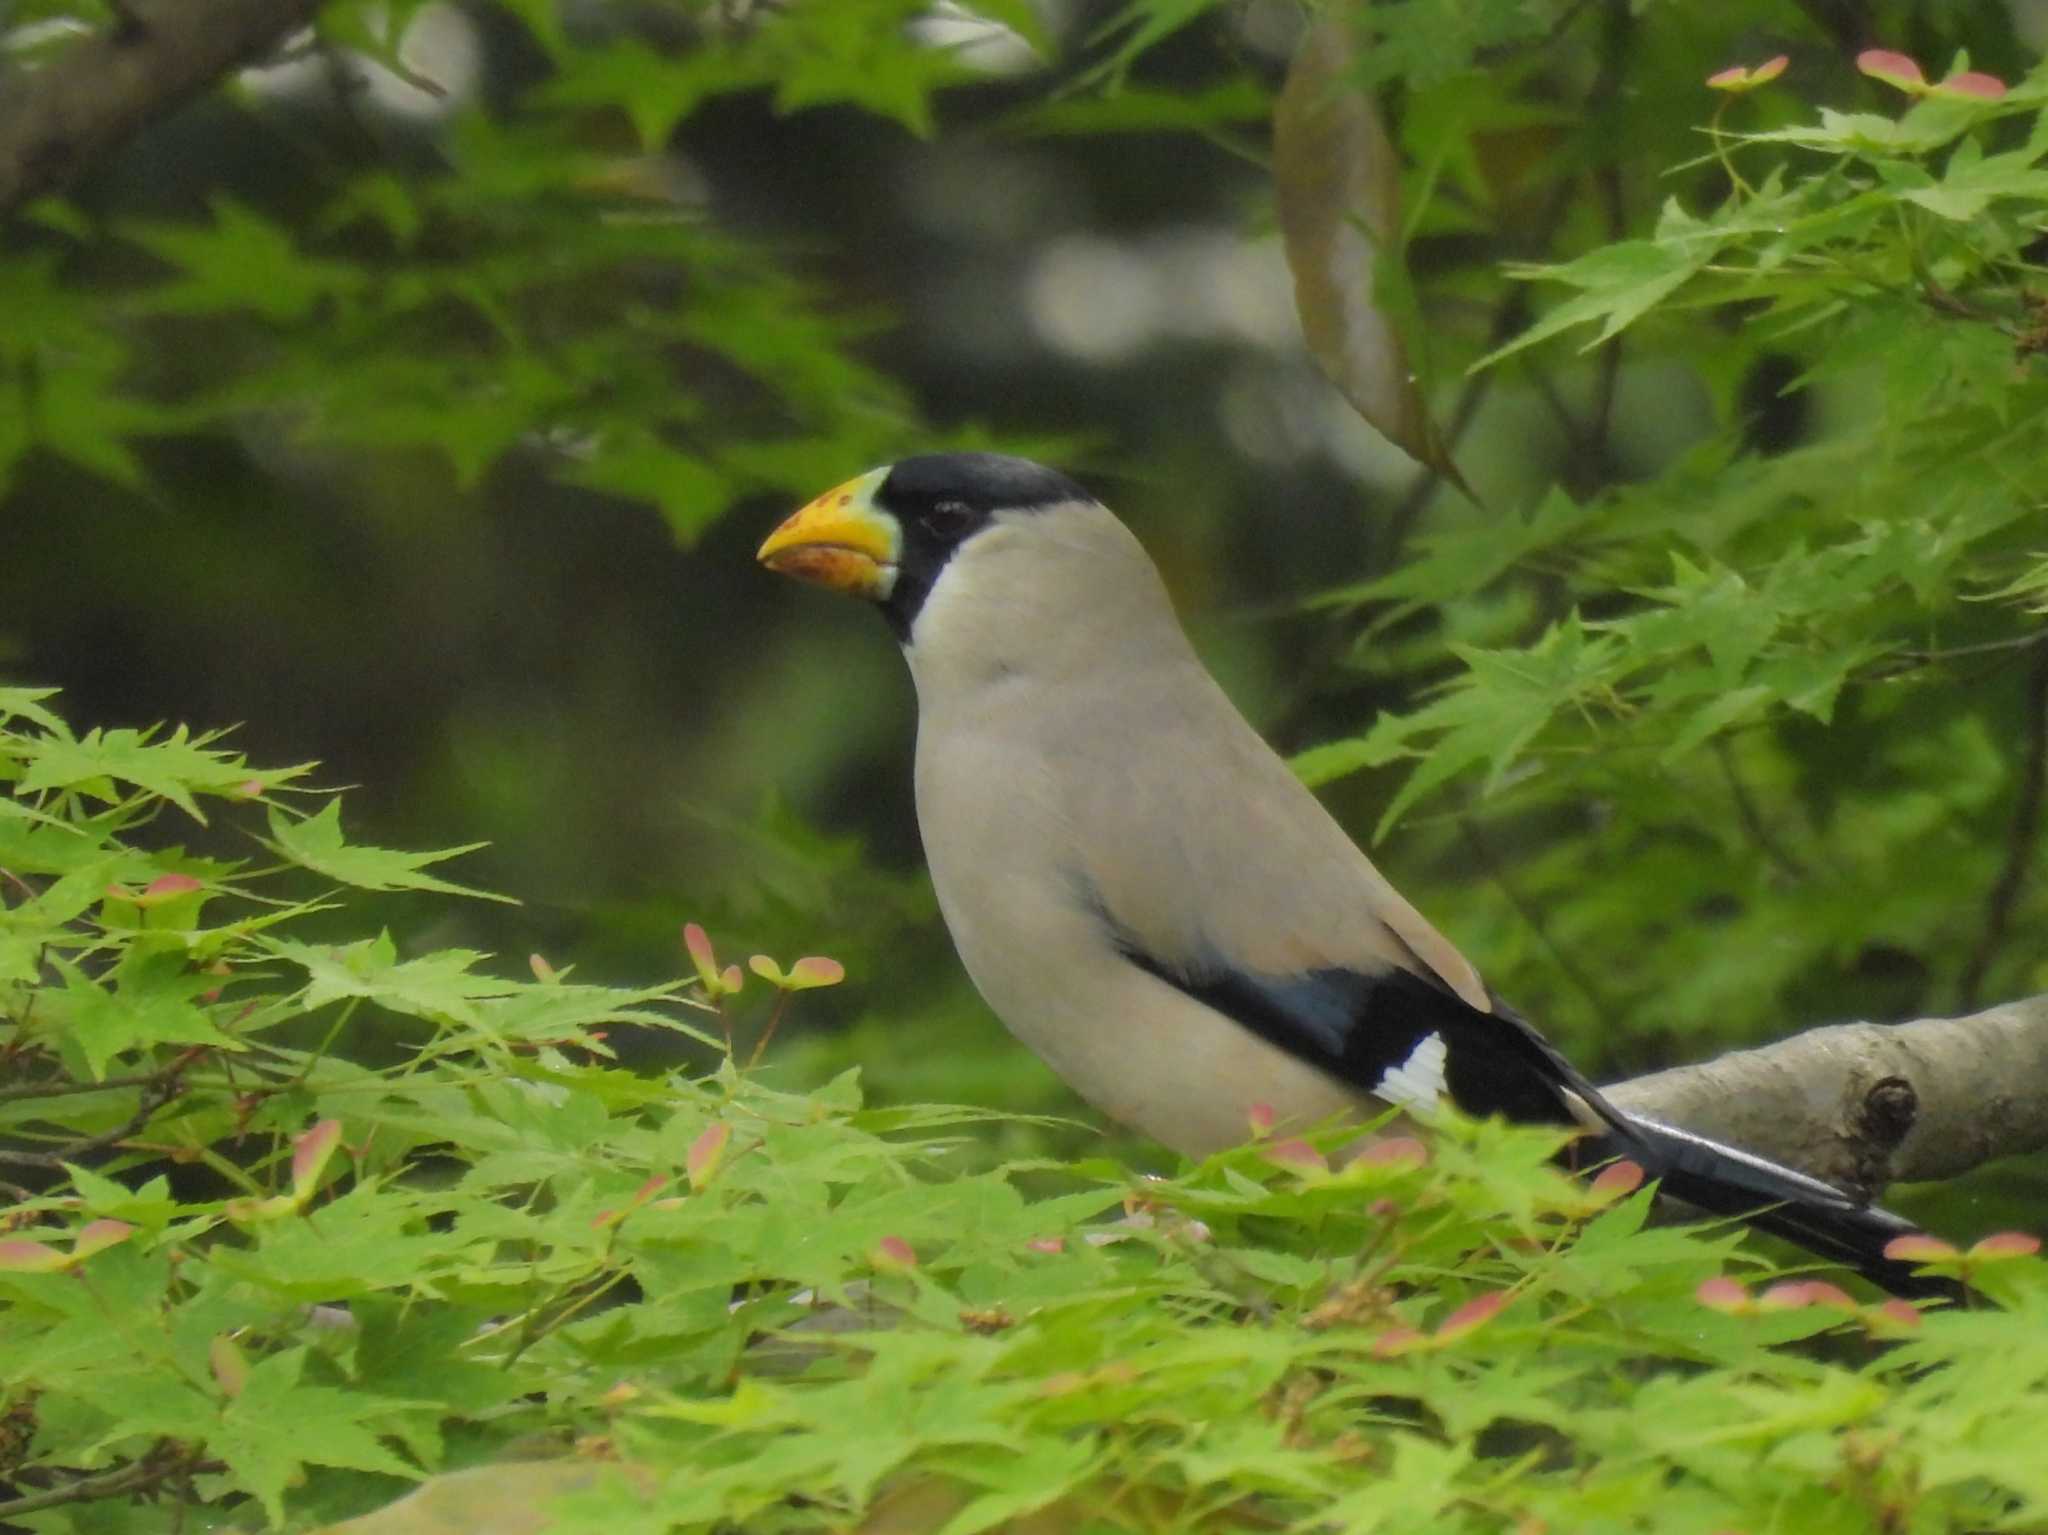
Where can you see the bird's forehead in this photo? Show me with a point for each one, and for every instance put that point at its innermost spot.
(986, 481)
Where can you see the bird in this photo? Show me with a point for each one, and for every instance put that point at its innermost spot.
(1150, 899)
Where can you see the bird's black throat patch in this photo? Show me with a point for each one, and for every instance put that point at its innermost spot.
(940, 501)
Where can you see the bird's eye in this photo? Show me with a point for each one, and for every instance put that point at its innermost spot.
(947, 517)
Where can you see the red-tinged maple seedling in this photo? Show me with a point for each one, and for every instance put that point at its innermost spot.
(892, 1254)
(1297, 1156)
(1472, 1316)
(162, 889)
(1396, 1341)
(1921, 1248)
(311, 1153)
(1738, 78)
(1973, 82)
(25, 1256)
(1397, 1153)
(2001, 1245)
(1617, 1180)
(1728, 1296)
(1798, 1294)
(1894, 69)
(1892, 1318)
(701, 1161)
(718, 984)
(1903, 72)
(811, 971)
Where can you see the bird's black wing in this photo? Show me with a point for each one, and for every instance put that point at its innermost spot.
(1361, 1027)
(1398, 1028)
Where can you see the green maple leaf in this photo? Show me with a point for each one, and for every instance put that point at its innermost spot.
(275, 1425)
(316, 843)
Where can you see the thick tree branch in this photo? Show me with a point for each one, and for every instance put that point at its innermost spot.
(65, 115)
(1863, 1104)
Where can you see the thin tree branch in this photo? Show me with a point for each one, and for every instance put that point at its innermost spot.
(1532, 916)
(164, 1463)
(160, 1091)
(64, 1087)
(67, 114)
(1863, 1104)
(2025, 835)
(1752, 820)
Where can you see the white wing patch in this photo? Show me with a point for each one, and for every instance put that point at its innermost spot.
(1418, 1082)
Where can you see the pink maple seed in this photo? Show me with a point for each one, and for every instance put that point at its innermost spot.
(1895, 1315)
(1895, 69)
(1723, 1294)
(701, 1161)
(1790, 1295)
(815, 970)
(1741, 77)
(1972, 82)
(1918, 1247)
(2001, 1245)
(1617, 1179)
(1396, 1153)
(167, 887)
(1395, 1342)
(98, 1237)
(698, 942)
(1047, 1245)
(1474, 1314)
(18, 1257)
(310, 1154)
(768, 970)
(1261, 1119)
(1297, 1155)
(893, 1253)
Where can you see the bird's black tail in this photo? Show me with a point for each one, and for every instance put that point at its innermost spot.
(1817, 1216)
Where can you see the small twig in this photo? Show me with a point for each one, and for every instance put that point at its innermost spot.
(2026, 831)
(159, 1092)
(73, 111)
(1987, 647)
(1752, 820)
(1533, 917)
(768, 1033)
(66, 1088)
(153, 1469)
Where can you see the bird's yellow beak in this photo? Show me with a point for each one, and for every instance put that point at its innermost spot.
(842, 541)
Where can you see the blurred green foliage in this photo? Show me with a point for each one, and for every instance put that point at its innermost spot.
(337, 404)
(250, 1280)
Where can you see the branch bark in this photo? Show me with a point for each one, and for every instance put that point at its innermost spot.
(1863, 1105)
(62, 117)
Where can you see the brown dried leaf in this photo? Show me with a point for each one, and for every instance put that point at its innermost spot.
(1337, 183)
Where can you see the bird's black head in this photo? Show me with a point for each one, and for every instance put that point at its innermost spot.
(941, 500)
(888, 534)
